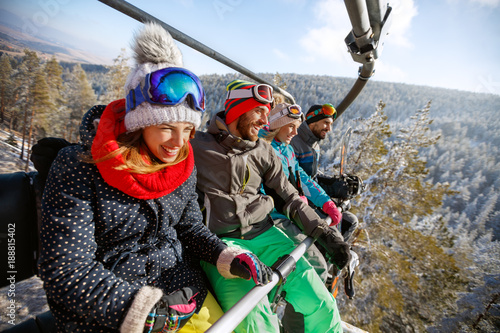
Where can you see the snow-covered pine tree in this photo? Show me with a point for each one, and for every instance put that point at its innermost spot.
(406, 280)
(80, 97)
(116, 78)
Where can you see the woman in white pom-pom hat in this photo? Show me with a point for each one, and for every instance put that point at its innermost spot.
(122, 233)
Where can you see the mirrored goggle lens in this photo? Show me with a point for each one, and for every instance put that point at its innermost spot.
(265, 92)
(172, 86)
(294, 111)
(328, 110)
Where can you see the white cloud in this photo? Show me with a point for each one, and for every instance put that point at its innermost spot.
(391, 73)
(326, 43)
(332, 13)
(327, 40)
(403, 12)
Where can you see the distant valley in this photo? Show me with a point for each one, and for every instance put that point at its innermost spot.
(13, 41)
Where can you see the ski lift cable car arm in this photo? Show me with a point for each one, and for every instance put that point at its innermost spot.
(370, 22)
(141, 16)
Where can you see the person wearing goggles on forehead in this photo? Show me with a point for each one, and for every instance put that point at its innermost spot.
(284, 121)
(122, 232)
(233, 164)
(319, 120)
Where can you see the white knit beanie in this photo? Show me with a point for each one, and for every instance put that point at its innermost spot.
(277, 120)
(155, 49)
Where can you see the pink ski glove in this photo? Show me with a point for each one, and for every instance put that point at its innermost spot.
(332, 211)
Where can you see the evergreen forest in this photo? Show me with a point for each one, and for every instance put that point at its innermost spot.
(429, 235)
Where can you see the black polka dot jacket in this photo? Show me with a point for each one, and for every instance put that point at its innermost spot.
(102, 247)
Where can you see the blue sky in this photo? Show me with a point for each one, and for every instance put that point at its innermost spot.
(442, 43)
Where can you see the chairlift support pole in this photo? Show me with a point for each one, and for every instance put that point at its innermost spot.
(141, 16)
(370, 21)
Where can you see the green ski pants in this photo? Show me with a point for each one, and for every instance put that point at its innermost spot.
(303, 287)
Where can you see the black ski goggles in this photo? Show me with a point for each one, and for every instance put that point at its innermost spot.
(167, 86)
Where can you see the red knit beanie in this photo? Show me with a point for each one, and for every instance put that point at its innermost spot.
(237, 106)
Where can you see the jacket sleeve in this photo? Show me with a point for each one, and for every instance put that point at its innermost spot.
(294, 208)
(304, 155)
(72, 277)
(196, 238)
(311, 189)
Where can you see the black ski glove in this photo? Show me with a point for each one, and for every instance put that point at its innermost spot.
(246, 265)
(172, 311)
(337, 251)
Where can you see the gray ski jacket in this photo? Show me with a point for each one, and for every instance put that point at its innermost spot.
(231, 172)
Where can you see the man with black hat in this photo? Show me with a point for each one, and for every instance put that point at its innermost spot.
(233, 165)
(319, 120)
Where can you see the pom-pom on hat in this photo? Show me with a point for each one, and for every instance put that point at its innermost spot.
(281, 116)
(318, 112)
(235, 107)
(154, 49)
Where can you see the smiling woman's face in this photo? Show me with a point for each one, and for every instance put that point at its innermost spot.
(287, 132)
(166, 140)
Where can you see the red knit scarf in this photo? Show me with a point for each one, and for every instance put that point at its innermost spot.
(141, 186)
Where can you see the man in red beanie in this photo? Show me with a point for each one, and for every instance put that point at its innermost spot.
(233, 165)
(246, 116)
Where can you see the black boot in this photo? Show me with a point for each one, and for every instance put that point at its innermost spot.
(349, 278)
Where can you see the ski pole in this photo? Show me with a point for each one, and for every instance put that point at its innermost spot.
(238, 312)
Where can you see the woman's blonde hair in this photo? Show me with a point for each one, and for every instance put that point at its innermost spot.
(269, 136)
(278, 98)
(136, 155)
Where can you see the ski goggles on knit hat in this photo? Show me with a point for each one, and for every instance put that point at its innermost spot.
(283, 114)
(262, 93)
(292, 111)
(168, 86)
(243, 96)
(318, 112)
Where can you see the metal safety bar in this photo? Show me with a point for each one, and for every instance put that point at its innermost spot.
(141, 16)
(232, 317)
